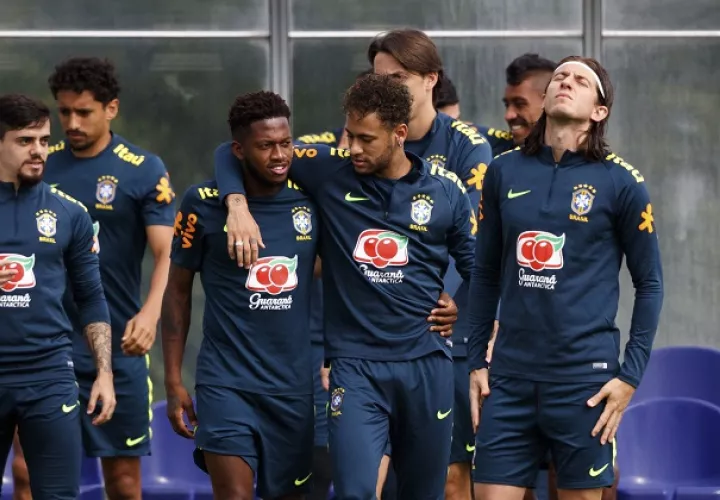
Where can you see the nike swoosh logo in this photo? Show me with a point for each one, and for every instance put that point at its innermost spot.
(512, 195)
(595, 473)
(300, 482)
(349, 197)
(469, 448)
(134, 442)
(68, 409)
(441, 415)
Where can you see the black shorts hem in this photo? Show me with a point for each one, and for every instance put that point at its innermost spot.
(584, 485)
(504, 481)
(458, 460)
(226, 453)
(117, 453)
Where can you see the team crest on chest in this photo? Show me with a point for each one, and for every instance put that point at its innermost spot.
(46, 225)
(583, 196)
(421, 211)
(437, 160)
(302, 222)
(105, 192)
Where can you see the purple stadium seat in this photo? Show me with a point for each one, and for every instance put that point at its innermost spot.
(668, 447)
(681, 371)
(7, 484)
(169, 473)
(91, 483)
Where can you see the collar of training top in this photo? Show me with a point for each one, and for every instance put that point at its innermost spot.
(569, 158)
(7, 190)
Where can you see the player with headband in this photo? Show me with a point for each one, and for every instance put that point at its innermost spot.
(555, 221)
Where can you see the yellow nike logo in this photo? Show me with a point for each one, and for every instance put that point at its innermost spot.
(134, 442)
(68, 408)
(441, 415)
(595, 473)
(300, 482)
(469, 448)
(512, 195)
(349, 197)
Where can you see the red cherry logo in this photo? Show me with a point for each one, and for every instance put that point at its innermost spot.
(370, 247)
(273, 290)
(527, 250)
(379, 263)
(11, 284)
(263, 275)
(279, 275)
(543, 251)
(387, 248)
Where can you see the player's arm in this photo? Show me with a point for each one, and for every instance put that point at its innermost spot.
(461, 237)
(639, 242)
(83, 268)
(186, 259)
(244, 238)
(158, 212)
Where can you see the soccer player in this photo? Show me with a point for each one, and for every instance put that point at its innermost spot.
(390, 223)
(556, 220)
(526, 77)
(456, 148)
(129, 196)
(254, 389)
(47, 244)
(448, 101)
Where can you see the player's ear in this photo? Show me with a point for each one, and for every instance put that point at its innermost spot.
(400, 133)
(599, 113)
(111, 109)
(237, 150)
(431, 79)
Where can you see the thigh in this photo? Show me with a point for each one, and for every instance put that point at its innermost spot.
(509, 445)
(581, 462)
(49, 431)
(422, 426)
(127, 434)
(358, 424)
(227, 424)
(463, 437)
(286, 429)
(321, 397)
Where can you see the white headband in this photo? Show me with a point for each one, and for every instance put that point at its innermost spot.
(582, 64)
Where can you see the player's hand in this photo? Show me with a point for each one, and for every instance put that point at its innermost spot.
(139, 334)
(479, 390)
(6, 274)
(243, 234)
(491, 344)
(325, 377)
(618, 395)
(179, 402)
(103, 392)
(444, 316)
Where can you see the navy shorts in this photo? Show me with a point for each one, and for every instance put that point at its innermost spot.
(127, 434)
(47, 416)
(272, 433)
(522, 420)
(410, 401)
(463, 437)
(321, 397)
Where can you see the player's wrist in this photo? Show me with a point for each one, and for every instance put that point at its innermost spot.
(236, 201)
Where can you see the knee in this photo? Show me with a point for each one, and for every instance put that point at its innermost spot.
(458, 485)
(123, 486)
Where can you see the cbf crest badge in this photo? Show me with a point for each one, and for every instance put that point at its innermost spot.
(336, 400)
(302, 222)
(106, 191)
(46, 225)
(437, 160)
(421, 209)
(582, 199)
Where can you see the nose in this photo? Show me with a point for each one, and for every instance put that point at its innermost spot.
(277, 153)
(73, 123)
(510, 113)
(354, 147)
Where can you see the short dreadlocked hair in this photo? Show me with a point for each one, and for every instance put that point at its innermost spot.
(79, 74)
(379, 94)
(254, 107)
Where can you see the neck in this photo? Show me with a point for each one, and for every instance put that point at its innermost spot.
(398, 167)
(256, 188)
(421, 122)
(96, 148)
(564, 136)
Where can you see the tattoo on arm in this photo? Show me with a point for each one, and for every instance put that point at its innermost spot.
(99, 337)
